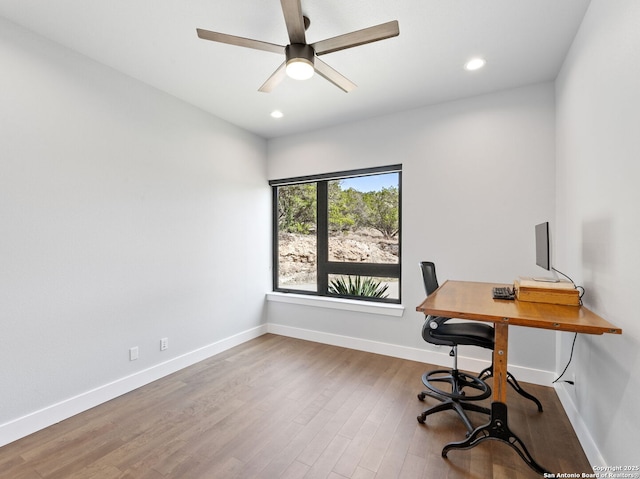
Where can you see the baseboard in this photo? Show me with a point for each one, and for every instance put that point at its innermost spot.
(55, 413)
(582, 431)
(529, 375)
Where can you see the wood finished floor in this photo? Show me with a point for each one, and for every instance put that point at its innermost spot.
(278, 407)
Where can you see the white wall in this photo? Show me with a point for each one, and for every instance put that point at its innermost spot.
(477, 176)
(126, 216)
(598, 119)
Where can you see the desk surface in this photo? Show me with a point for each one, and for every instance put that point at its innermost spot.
(471, 300)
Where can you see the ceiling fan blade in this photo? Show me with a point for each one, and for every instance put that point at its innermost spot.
(275, 79)
(239, 41)
(333, 76)
(360, 37)
(293, 19)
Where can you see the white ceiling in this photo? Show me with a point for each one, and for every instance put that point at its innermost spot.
(523, 41)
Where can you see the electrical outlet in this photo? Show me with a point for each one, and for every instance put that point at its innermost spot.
(133, 353)
(164, 344)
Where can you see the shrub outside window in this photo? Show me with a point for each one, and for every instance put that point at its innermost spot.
(338, 234)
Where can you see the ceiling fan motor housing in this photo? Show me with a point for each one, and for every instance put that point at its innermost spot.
(299, 51)
(300, 56)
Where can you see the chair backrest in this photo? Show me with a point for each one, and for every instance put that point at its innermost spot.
(429, 276)
(435, 331)
(432, 323)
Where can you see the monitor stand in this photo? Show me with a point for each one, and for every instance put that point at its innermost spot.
(546, 280)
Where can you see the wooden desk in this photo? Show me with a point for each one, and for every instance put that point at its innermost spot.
(470, 300)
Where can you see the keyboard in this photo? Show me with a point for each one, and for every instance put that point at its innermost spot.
(503, 292)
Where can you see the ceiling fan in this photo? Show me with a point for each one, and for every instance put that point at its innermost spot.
(302, 58)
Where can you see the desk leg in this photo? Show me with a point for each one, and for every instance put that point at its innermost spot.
(500, 349)
(498, 426)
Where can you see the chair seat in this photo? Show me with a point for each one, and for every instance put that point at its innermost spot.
(467, 333)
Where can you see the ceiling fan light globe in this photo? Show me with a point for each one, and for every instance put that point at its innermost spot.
(299, 69)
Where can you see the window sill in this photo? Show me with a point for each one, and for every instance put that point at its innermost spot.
(385, 309)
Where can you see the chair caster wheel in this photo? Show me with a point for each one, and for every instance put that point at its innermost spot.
(421, 396)
(420, 419)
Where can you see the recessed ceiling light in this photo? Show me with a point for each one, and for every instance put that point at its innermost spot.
(475, 64)
(276, 114)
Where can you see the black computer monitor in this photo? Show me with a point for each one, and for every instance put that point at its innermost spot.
(542, 246)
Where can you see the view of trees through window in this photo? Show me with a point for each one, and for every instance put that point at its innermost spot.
(352, 239)
(297, 238)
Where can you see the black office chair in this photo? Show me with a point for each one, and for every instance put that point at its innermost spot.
(461, 389)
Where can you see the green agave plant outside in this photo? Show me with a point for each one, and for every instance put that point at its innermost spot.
(368, 287)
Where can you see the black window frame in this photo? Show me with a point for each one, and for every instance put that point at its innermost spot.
(324, 266)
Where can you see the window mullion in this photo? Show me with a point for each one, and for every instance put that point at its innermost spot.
(390, 270)
(322, 239)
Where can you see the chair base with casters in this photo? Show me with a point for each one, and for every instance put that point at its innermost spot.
(456, 398)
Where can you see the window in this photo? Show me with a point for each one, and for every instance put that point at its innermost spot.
(339, 234)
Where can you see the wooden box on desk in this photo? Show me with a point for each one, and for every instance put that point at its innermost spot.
(562, 292)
